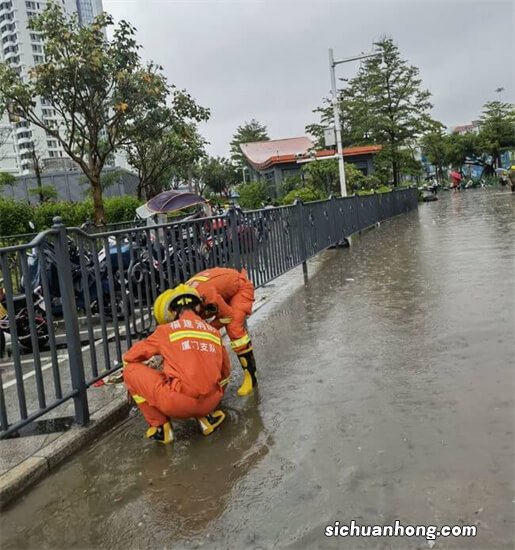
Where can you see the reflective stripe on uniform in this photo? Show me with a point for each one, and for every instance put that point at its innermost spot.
(240, 342)
(138, 399)
(224, 382)
(200, 278)
(181, 334)
(225, 320)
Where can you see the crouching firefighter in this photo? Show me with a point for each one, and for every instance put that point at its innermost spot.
(228, 295)
(196, 367)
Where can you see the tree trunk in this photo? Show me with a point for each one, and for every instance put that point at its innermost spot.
(139, 191)
(190, 182)
(98, 202)
(37, 172)
(395, 170)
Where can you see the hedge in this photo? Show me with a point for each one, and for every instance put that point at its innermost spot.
(306, 194)
(16, 215)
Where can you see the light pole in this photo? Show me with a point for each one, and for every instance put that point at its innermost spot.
(336, 111)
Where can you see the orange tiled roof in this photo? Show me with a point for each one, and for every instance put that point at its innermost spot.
(264, 154)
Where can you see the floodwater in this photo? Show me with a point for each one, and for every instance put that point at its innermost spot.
(386, 393)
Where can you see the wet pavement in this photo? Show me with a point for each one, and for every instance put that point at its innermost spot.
(386, 393)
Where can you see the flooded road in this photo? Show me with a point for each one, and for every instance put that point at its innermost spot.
(386, 393)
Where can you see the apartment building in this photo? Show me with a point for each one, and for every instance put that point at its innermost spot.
(22, 48)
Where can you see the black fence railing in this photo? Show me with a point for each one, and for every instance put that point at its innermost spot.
(74, 301)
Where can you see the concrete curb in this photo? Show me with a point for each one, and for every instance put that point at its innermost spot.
(26, 473)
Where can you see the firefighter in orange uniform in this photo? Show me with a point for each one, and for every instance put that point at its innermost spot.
(229, 295)
(196, 367)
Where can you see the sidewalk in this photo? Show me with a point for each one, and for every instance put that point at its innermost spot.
(24, 460)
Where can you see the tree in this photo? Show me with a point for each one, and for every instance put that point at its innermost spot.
(436, 148)
(253, 194)
(323, 175)
(6, 179)
(385, 104)
(170, 147)
(44, 193)
(497, 131)
(218, 174)
(99, 89)
(463, 147)
(5, 134)
(249, 132)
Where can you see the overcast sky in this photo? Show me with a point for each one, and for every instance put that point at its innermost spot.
(268, 59)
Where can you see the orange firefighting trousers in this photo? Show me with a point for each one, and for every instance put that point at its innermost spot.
(160, 397)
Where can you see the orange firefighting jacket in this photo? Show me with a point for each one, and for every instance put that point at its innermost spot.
(192, 352)
(219, 285)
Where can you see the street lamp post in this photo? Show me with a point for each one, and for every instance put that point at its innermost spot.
(336, 111)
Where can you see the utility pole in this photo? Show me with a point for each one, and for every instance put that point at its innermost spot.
(336, 111)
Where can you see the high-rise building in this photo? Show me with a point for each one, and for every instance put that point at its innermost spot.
(22, 48)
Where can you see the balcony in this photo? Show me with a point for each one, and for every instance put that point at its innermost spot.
(6, 32)
(23, 140)
(11, 40)
(7, 11)
(9, 54)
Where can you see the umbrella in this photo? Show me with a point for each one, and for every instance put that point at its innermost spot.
(169, 201)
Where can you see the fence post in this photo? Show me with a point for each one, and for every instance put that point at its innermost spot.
(71, 322)
(235, 237)
(302, 233)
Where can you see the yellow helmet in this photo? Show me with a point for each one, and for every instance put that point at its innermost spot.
(180, 295)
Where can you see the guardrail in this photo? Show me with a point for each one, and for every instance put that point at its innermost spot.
(74, 301)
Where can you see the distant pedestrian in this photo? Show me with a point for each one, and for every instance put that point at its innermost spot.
(456, 178)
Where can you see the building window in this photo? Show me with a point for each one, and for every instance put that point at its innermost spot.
(32, 5)
(6, 5)
(7, 17)
(11, 38)
(37, 48)
(38, 59)
(11, 27)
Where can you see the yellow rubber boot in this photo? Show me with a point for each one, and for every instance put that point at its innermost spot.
(208, 424)
(162, 434)
(248, 364)
(246, 386)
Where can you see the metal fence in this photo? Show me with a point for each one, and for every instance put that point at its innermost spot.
(74, 301)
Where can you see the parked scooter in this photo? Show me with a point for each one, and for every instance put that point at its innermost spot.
(22, 322)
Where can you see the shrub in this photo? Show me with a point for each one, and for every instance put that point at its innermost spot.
(43, 214)
(306, 194)
(120, 209)
(14, 217)
(253, 194)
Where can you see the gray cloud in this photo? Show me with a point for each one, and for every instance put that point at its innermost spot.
(268, 59)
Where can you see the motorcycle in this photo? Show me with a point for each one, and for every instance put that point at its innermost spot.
(22, 322)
